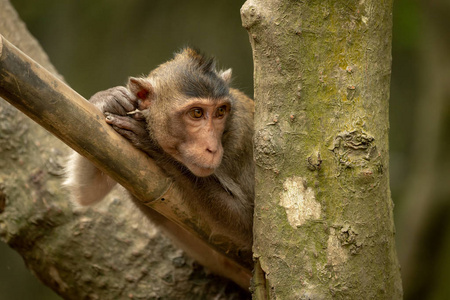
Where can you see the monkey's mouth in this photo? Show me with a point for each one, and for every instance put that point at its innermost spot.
(199, 165)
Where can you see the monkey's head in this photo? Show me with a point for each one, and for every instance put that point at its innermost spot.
(187, 106)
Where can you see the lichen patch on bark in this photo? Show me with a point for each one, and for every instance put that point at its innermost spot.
(335, 253)
(299, 201)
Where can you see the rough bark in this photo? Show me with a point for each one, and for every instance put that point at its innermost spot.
(104, 252)
(323, 213)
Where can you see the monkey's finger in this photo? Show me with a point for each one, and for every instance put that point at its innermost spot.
(128, 95)
(127, 123)
(129, 135)
(120, 98)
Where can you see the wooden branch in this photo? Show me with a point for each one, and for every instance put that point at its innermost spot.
(63, 112)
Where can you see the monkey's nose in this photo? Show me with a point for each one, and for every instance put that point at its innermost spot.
(212, 150)
(212, 146)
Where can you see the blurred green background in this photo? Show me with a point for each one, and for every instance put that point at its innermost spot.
(98, 44)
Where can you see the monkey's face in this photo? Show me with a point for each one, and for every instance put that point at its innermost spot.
(196, 134)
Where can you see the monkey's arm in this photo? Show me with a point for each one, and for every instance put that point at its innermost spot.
(86, 183)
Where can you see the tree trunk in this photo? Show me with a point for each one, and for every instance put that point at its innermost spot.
(104, 252)
(323, 213)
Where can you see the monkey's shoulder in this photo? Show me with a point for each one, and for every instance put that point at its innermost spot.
(246, 103)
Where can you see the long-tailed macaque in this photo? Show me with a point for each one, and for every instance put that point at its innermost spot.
(197, 129)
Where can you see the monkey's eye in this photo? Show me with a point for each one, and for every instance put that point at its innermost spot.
(220, 112)
(196, 113)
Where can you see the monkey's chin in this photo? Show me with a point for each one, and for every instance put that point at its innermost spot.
(200, 171)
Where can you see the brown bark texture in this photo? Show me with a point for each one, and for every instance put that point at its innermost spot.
(104, 252)
(323, 213)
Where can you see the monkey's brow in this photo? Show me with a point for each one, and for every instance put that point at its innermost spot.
(192, 102)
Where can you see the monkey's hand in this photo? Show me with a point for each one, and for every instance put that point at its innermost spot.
(120, 108)
(117, 100)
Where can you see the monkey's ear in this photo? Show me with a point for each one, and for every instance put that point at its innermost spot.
(142, 89)
(226, 75)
